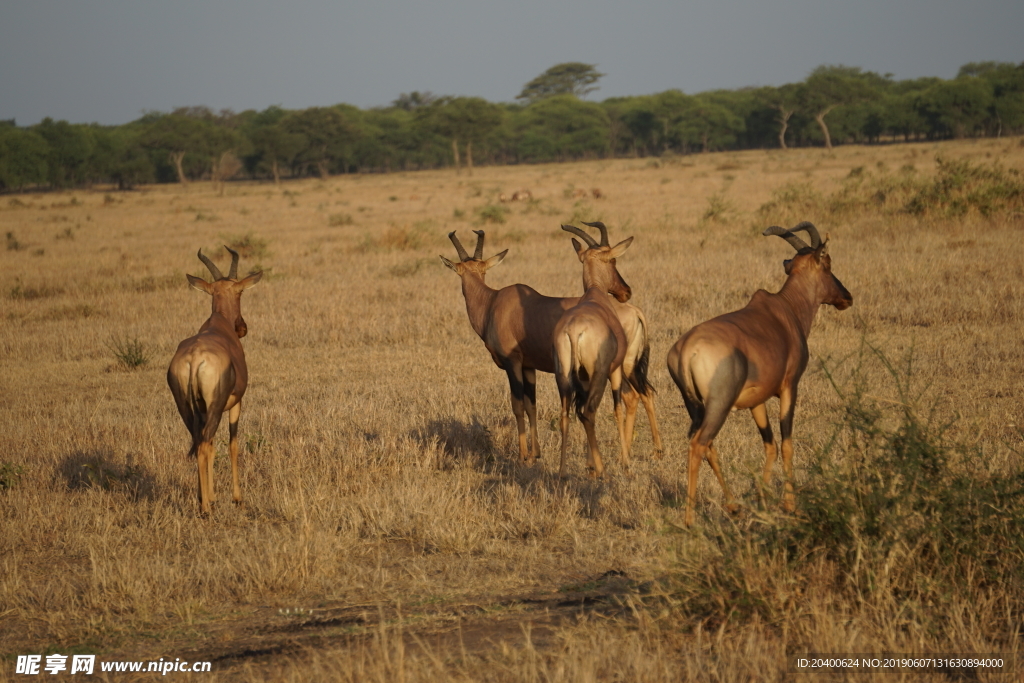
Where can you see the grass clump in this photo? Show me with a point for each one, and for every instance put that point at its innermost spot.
(13, 244)
(336, 220)
(790, 204)
(718, 210)
(960, 188)
(492, 213)
(248, 246)
(10, 475)
(131, 354)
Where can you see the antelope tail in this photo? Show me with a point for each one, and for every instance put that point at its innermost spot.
(579, 392)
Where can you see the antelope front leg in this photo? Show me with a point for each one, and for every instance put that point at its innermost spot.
(233, 415)
(515, 383)
(787, 407)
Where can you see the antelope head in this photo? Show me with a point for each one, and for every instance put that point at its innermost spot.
(812, 264)
(226, 291)
(598, 259)
(475, 264)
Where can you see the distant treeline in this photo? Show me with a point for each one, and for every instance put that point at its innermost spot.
(834, 105)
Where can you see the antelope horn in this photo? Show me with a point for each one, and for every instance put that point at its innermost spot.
(233, 273)
(479, 253)
(463, 256)
(793, 240)
(214, 270)
(809, 228)
(604, 232)
(591, 242)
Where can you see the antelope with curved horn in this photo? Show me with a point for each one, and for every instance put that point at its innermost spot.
(635, 363)
(589, 345)
(741, 359)
(208, 375)
(516, 324)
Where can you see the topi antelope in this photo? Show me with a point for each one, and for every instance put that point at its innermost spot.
(516, 325)
(208, 374)
(741, 359)
(635, 363)
(589, 345)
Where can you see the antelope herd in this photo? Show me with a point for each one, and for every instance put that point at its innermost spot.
(735, 361)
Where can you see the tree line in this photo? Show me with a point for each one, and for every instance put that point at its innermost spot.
(549, 122)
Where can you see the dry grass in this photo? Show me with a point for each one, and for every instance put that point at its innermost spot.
(378, 464)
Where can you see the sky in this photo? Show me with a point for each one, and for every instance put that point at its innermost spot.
(109, 61)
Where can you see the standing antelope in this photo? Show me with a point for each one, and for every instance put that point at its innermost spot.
(741, 359)
(516, 324)
(589, 345)
(635, 363)
(208, 374)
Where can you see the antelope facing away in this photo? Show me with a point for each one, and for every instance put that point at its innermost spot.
(208, 374)
(516, 324)
(635, 363)
(589, 345)
(741, 359)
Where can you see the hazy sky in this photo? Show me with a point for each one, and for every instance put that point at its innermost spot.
(110, 60)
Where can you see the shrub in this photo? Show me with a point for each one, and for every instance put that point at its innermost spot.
(131, 354)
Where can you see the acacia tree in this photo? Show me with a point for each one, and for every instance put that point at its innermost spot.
(785, 101)
(180, 134)
(709, 124)
(23, 154)
(568, 78)
(829, 87)
(329, 136)
(470, 119)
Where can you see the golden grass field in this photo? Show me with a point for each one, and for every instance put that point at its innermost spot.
(388, 532)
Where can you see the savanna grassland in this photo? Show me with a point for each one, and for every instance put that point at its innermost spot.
(389, 533)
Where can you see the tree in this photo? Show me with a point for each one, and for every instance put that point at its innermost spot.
(829, 87)
(469, 119)
(569, 78)
(958, 107)
(329, 133)
(70, 148)
(23, 155)
(709, 124)
(785, 101)
(562, 127)
(180, 134)
(414, 100)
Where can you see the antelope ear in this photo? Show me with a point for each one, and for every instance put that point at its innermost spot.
(199, 283)
(495, 260)
(578, 247)
(788, 265)
(620, 248)
(448, 263)
(250, 280)
(823, 249)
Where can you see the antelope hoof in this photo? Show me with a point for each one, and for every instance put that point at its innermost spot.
(732, 508)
